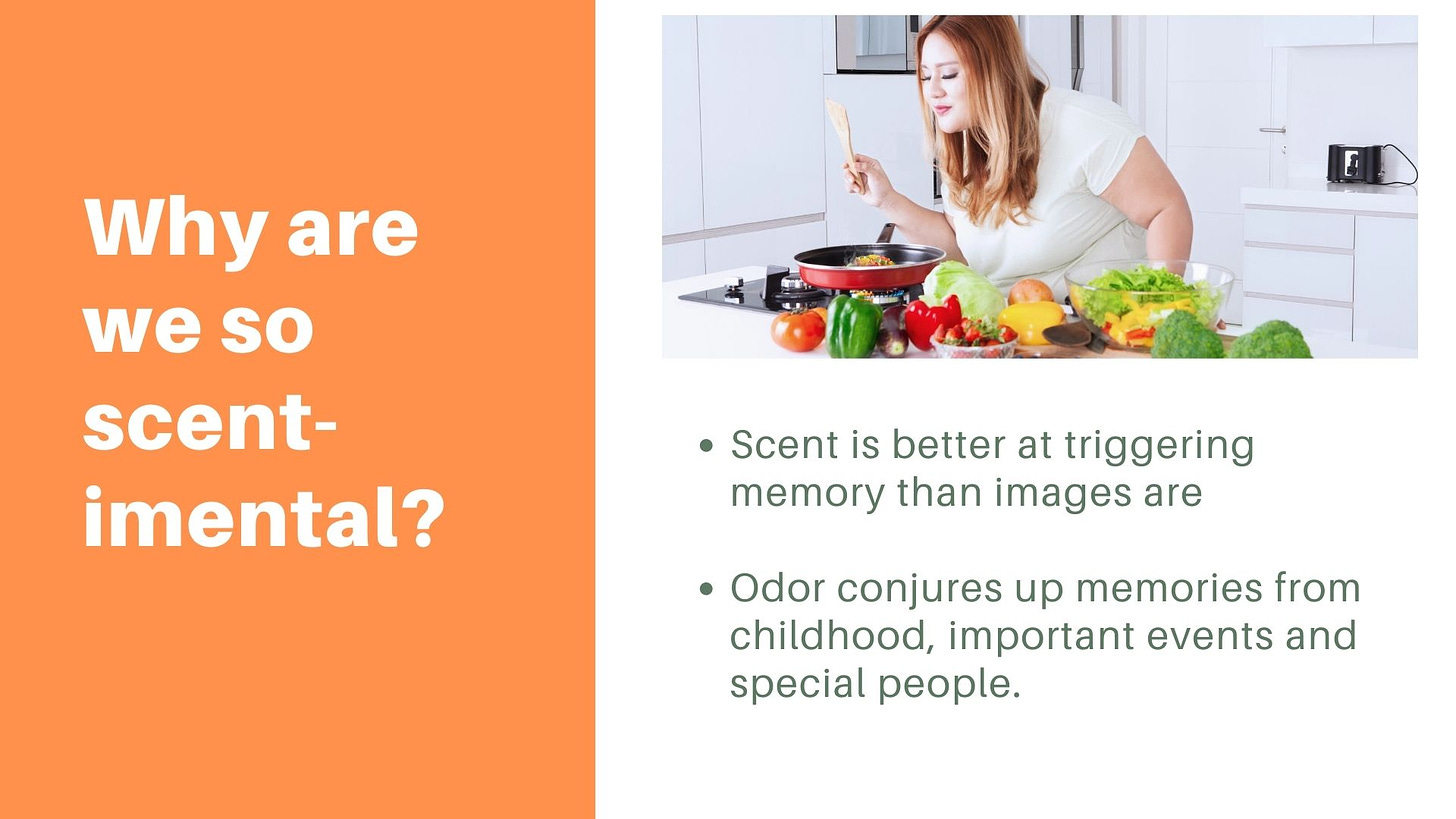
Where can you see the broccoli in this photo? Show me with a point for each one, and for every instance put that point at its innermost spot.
(1182, 335)
(1272, 339)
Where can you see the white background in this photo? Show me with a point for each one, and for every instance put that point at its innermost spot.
(1351, 480)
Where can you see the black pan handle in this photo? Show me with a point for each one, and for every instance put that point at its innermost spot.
(773, 281)
(887, 233)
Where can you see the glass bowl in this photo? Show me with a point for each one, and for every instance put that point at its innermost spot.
(1003, 350)
(1124, 302)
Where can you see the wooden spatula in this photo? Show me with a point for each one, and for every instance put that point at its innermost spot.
(840, 118)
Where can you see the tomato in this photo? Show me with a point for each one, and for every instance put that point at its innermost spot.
(799, 331)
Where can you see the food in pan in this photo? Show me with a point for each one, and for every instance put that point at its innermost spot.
(873, 260)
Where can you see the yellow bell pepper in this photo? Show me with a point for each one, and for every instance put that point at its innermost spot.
(1141, 319)
(1030, 318)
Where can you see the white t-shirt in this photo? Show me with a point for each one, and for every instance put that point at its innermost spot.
(1084, 142)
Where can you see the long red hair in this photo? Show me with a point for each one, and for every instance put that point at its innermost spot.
(989, 170)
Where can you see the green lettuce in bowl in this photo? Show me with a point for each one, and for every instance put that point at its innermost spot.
(1125, 301)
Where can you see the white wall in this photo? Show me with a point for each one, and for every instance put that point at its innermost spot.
(885, 123)
(1355, 95)
(1207, 82)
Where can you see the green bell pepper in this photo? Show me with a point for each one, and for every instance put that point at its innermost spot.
(854, 324)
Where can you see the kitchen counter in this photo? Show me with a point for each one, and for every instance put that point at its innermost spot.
(696, 330)
(1396, 200)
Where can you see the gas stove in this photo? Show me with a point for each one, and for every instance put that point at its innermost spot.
(782, 290)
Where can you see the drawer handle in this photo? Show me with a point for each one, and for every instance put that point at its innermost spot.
(1271, 130)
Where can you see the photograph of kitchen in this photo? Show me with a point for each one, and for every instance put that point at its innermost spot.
(1070, 186)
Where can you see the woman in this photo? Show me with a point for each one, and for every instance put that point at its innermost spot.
(1034, 179)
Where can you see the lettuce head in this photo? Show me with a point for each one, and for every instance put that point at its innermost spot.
(978, 297)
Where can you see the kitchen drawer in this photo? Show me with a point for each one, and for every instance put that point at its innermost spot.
(1309, 318)
(773, 246)
(1292, 227)
(1308, 275)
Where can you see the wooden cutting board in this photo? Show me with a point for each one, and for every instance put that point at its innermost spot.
(1053, 351)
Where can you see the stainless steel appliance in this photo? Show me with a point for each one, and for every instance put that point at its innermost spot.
(875, 44)
(885, 44)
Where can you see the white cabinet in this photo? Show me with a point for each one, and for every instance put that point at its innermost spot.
(761, 87)
(1393, 29)
(885, 123)
(1385, 281)
(1299, 266)
(1340, 273)
(742, 141)
(1331, 30)
(682, 158)
(1318, 29)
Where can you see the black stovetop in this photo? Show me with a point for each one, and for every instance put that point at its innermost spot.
(769, 295)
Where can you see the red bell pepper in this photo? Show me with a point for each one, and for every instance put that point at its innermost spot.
(1141, 332)
(922, 320)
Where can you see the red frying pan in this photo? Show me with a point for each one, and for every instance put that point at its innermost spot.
(833, 268)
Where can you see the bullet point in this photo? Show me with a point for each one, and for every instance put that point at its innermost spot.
(706, 588)
(706, 446)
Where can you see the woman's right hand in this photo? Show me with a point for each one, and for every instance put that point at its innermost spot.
(879, 188)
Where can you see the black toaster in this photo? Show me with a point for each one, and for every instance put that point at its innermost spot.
(1354, 163)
